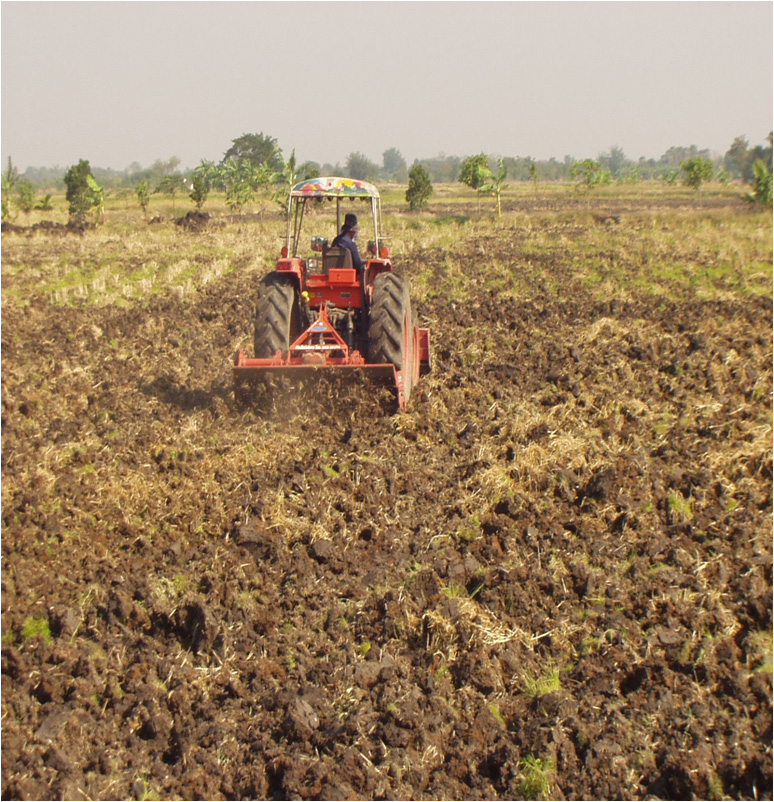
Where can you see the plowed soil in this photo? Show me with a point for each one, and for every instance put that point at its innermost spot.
(550, 577)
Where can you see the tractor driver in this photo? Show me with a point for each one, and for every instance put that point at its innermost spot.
(347, 240)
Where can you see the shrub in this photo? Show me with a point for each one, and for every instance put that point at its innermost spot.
(696, 171)
(83, 192)
(419, 188)
(761, 185)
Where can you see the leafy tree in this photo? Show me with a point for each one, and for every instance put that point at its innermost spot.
(143, 197)
(285, 180)
(671, 176)
(83, 192)
(762, 190)
(676, 155)
(475, 173)
(518, 167)
(735, 160)
(554, 170)
(442, 168)
(495, 183)
(171, 185)
(10, 179)
(361, 167)
(289, 173)
(239, 180)
(629, 175)
(696, 171)
(723, 176)
(209, 173)
(26, 196)
(759, 153)
(770, 152)
(242, 181)
(740, 158)
(648, 167)
(255, 149)
(419, 188)
(533, 176)
(394, 165)
(98, 199)
(169, 167)
(308, 170)
(200, 188)
(45, 205)
(154, 175)
(588, 174)
(615, 160)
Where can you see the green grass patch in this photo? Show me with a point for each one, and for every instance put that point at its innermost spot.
(36, 628)
(536, 777)
(546, 682)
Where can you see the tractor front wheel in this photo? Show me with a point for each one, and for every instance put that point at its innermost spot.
(391, 327)
(277, 321)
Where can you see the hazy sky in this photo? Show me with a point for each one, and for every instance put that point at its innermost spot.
(123, 82)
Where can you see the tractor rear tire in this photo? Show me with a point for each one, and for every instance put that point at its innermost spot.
(391, 326)
(277, 320)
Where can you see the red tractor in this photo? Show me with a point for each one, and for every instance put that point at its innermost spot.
(319, 313)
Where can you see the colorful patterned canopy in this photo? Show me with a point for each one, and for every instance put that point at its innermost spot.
(332, 187)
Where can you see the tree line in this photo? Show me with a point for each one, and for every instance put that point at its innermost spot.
(736, 163)
(254, 168)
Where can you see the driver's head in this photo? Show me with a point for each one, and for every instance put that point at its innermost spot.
(350, 225)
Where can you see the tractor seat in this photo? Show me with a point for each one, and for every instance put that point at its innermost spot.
(336, 257)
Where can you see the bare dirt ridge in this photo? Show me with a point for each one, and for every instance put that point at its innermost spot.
(548, 578)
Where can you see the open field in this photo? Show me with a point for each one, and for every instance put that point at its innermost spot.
(551, 577)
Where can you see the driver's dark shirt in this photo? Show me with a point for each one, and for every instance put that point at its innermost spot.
(345, 241)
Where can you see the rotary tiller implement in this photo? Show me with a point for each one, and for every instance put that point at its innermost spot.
(321, 347)
(321, 314)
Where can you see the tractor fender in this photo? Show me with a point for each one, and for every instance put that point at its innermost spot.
(291, 269)
(373, 268)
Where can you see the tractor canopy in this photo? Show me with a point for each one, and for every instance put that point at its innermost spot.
(332, 187)
(340, 190)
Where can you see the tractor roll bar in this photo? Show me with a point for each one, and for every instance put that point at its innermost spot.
(329, 187)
